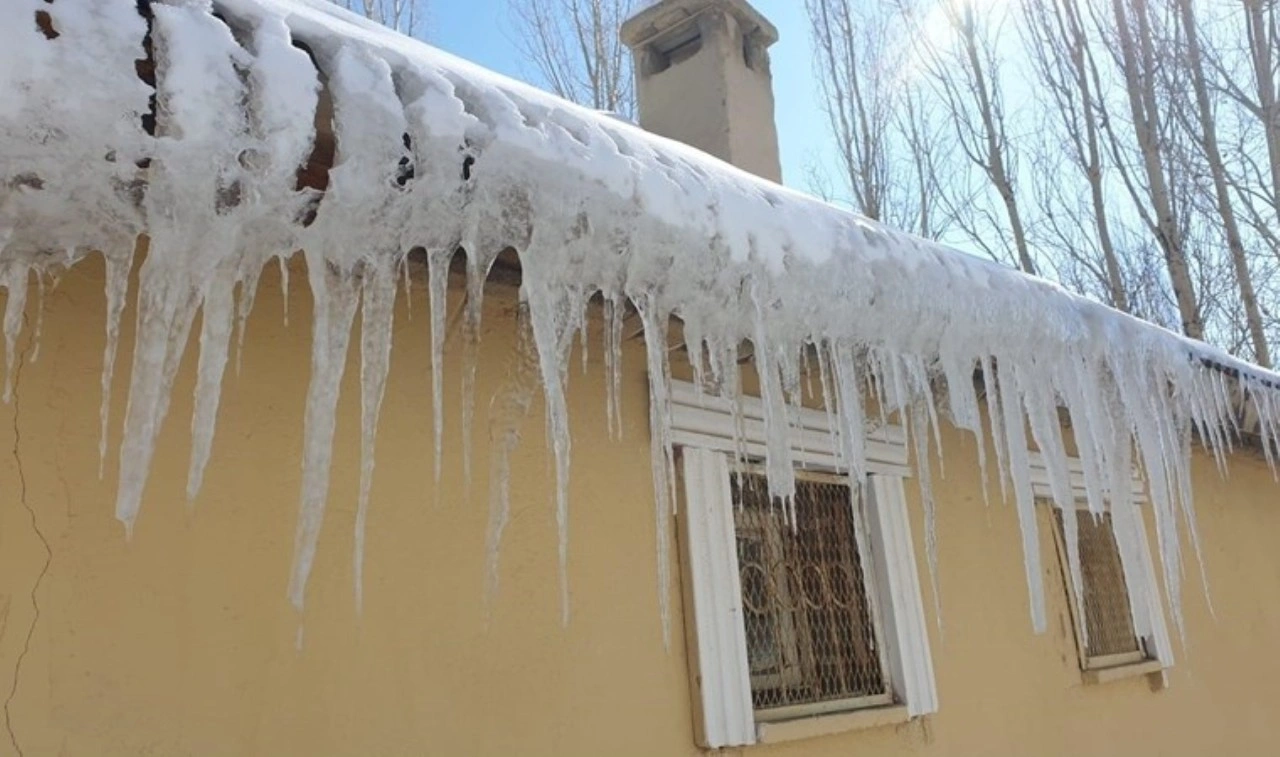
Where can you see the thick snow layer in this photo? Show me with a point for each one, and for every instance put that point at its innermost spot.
(434, 152)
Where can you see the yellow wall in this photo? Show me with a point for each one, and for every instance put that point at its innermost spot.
(182, 641)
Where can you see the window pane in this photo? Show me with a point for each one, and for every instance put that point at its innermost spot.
(1106, 597)
(765, 654)
(810, 634)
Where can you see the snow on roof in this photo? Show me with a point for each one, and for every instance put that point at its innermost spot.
(435, 152)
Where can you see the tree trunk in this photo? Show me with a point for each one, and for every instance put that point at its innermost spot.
(1137, 59)
(995, 149)
(1261, 28)
(1222, 193)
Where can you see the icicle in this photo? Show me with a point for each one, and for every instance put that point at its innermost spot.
(997, 424)
(356, 232)
(244, 306)
(1042, 414)
(165, 313)
(1093, 432)
(478, 265)
(1019, 467)
(921, 388)
(38, 331)
(962, 400)
(507, 413)
(1222, 401)
(14, 280)
(335, 306)
(778, 467)
(732, 388)
(852, 431)
(806, 373)
(555, 319)
(194, 201)
(1142, 407)
(859, 495)
(1186, 498)
(875, 379)
(694, 351)
(438, 290)
(1130, 533)
(826, 385)
(377, 315)
(406, 281)
(284, 289)
(1071, 535)
(918, 421)
(583, 340)
(117, 288)
(963, 404)
(789, 368)
(614, 305)
(661, 459)
(215, 335)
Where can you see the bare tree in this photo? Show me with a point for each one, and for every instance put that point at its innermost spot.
(887, 143)
(1207, 137)
(1262, 33)
(1132, 44)
(574, 46)
(1264, 41)
(1244, 71)
(928, 149)
(850, 52)
(405, 16)
(965, 72)
(1060, 49)
(1141, 167)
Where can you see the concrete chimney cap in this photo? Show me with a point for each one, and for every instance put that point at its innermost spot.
(657, 17)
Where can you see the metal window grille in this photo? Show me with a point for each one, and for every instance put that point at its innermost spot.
(1110, 639)
(813, 644)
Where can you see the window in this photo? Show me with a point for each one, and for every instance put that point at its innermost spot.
(1115, 635)
(813, 643)
(790, 620)
(1107, 630)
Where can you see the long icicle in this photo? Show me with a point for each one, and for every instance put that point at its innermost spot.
(508, 411)
(118, 265)
(215, 336)
(335, 297)
(661, 462)
(378, 297)
(437, 293)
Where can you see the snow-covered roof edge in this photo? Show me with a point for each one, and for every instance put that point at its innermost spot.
(437, 153)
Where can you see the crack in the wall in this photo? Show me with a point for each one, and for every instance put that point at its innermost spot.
(48, 553)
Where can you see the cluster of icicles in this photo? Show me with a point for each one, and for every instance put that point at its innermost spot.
(436, 154)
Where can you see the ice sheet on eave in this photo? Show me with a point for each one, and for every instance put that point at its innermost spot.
(752, 218)
(593, 206)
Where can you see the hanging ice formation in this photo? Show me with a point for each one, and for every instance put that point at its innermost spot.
(432, 152)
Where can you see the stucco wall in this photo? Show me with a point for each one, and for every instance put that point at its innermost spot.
(182, 642)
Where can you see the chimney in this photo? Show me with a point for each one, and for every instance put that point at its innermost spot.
(702, 77)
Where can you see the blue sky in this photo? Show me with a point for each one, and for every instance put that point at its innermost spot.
(481, 31)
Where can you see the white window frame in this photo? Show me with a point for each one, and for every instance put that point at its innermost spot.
(1156, 642)
(703, 429)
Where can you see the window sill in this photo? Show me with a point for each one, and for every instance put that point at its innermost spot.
(826, 725)
(1120, 672)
